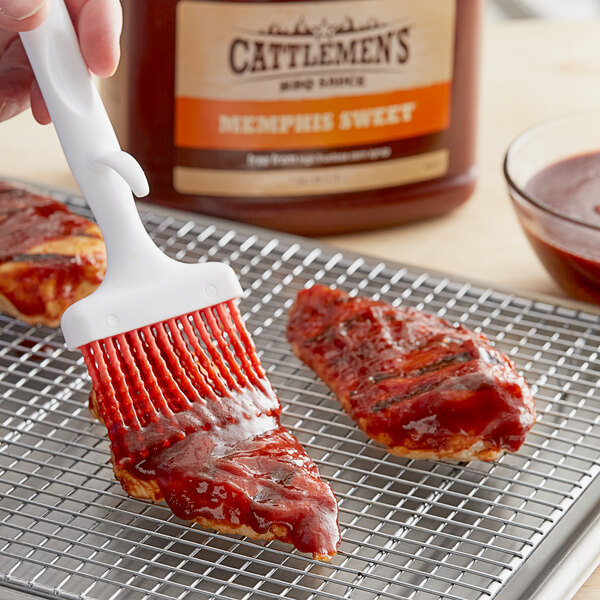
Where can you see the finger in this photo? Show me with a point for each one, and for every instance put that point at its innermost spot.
(38, 106)
(16, 77)
(6, 39)
(22, 15)
(98, 24)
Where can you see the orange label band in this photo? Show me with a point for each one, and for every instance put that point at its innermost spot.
(319, 123)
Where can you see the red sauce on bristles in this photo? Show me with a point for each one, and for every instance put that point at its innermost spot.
(215, 329)
(152, 374)
(240, 328)
(148, 380)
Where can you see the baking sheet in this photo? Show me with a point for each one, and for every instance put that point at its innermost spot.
(410, 529)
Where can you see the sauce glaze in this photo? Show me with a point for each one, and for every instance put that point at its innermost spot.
(44, 284)
(231, 462)
(28, 219)
(410, 376)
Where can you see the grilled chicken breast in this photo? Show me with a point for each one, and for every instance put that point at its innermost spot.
(236, 470)
(49, 257)
(412, 381)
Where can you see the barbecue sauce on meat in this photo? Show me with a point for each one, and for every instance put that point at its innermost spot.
(28, 219)
(231, 461)
(408, 377)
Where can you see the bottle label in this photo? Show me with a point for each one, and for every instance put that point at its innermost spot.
(301, 98)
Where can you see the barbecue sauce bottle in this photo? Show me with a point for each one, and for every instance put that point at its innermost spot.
(314, 117)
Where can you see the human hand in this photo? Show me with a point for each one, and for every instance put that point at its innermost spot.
(98, 24)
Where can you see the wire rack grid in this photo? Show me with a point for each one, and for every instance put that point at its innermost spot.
(414, 530)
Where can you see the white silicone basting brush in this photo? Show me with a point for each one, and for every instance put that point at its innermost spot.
(157, 334)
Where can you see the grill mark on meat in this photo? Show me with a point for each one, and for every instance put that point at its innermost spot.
(417, 390)
(346, 324)
(41, 258)
(455, 359)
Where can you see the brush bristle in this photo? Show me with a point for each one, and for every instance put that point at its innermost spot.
(153, 374)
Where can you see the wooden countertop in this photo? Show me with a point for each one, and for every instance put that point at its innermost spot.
(532, 70)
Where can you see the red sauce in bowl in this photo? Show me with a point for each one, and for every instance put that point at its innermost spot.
(565, 232)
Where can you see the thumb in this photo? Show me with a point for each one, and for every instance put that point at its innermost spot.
(22, 15)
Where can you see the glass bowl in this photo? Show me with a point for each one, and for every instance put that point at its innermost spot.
(560, 216)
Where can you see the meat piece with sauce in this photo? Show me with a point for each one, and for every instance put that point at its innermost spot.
(412, 381)
(236, 470)
(49, 256)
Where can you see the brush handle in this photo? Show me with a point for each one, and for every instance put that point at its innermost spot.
(105, 174)
(142, 285)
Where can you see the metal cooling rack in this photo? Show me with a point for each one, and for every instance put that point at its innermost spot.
(414, 530)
